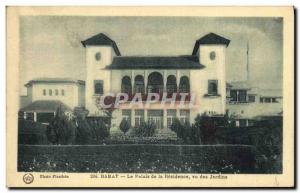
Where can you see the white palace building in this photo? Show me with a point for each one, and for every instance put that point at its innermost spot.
(200, 77)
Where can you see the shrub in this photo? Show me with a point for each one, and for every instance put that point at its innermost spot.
(99, 129)
(183, 131)
(30, 132)
(176, 127)
(206, 127)
(146, 129)
(84, 132)
(61, 131)
(201, 132)
(124, 126)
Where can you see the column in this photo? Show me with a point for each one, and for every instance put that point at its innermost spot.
(165, 119)
(146, 80)
(34, 116)
(165, 81)
(132, 119)
(132, 81)
(177, 78)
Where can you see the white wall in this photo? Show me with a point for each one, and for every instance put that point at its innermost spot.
(81, 95)
(251, 110)
(70, 97)
(214, 70)
(96, 71)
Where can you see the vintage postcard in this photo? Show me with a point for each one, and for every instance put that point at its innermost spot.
(150, 97)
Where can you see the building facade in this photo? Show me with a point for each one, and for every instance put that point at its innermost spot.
(202, 74)
(186, 86)
(247, 104)
(45, 95)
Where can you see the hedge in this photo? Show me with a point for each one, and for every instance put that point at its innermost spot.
(138, 158)
(30, 132)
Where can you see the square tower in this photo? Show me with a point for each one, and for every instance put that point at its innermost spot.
(100, 51)
(211, 81)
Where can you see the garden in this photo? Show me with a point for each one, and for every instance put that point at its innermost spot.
(210, 145)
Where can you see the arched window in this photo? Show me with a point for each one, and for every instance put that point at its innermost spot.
(126, 85)
(171, 84)
(139, 86)
(184, 85)
(155, 83)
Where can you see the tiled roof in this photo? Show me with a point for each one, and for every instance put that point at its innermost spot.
(101, 39)
(55, 80)
(156, 62)
(210, 38)
(45, 106)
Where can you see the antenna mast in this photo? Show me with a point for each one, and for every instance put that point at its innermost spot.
(248, 78)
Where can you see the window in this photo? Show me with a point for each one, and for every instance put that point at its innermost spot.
(267, 100)
(29, 116)
(155, 83)
(126, 85)
(50, 92)
(98, 86)
(139, 118)
(243, 122)
(251, 98)
(126, 115)
(184, 116)
(62, 92)
(212, 87)
(233, 95)
(98, 56)
(44, 117)
(44, 92)
(171, 84)
(212, 55)
(242, 96)
(184, 85)
(56, 92)
(139, 86)
(171, 115)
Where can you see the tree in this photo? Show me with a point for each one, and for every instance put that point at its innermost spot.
(84, 132)
(205, 128)
(61, 131)
(110, 101)
(124, 126)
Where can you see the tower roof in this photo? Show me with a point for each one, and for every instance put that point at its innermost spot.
(101, 39)
(210, 38)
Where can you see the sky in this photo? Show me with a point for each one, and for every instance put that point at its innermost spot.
(51, 45)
